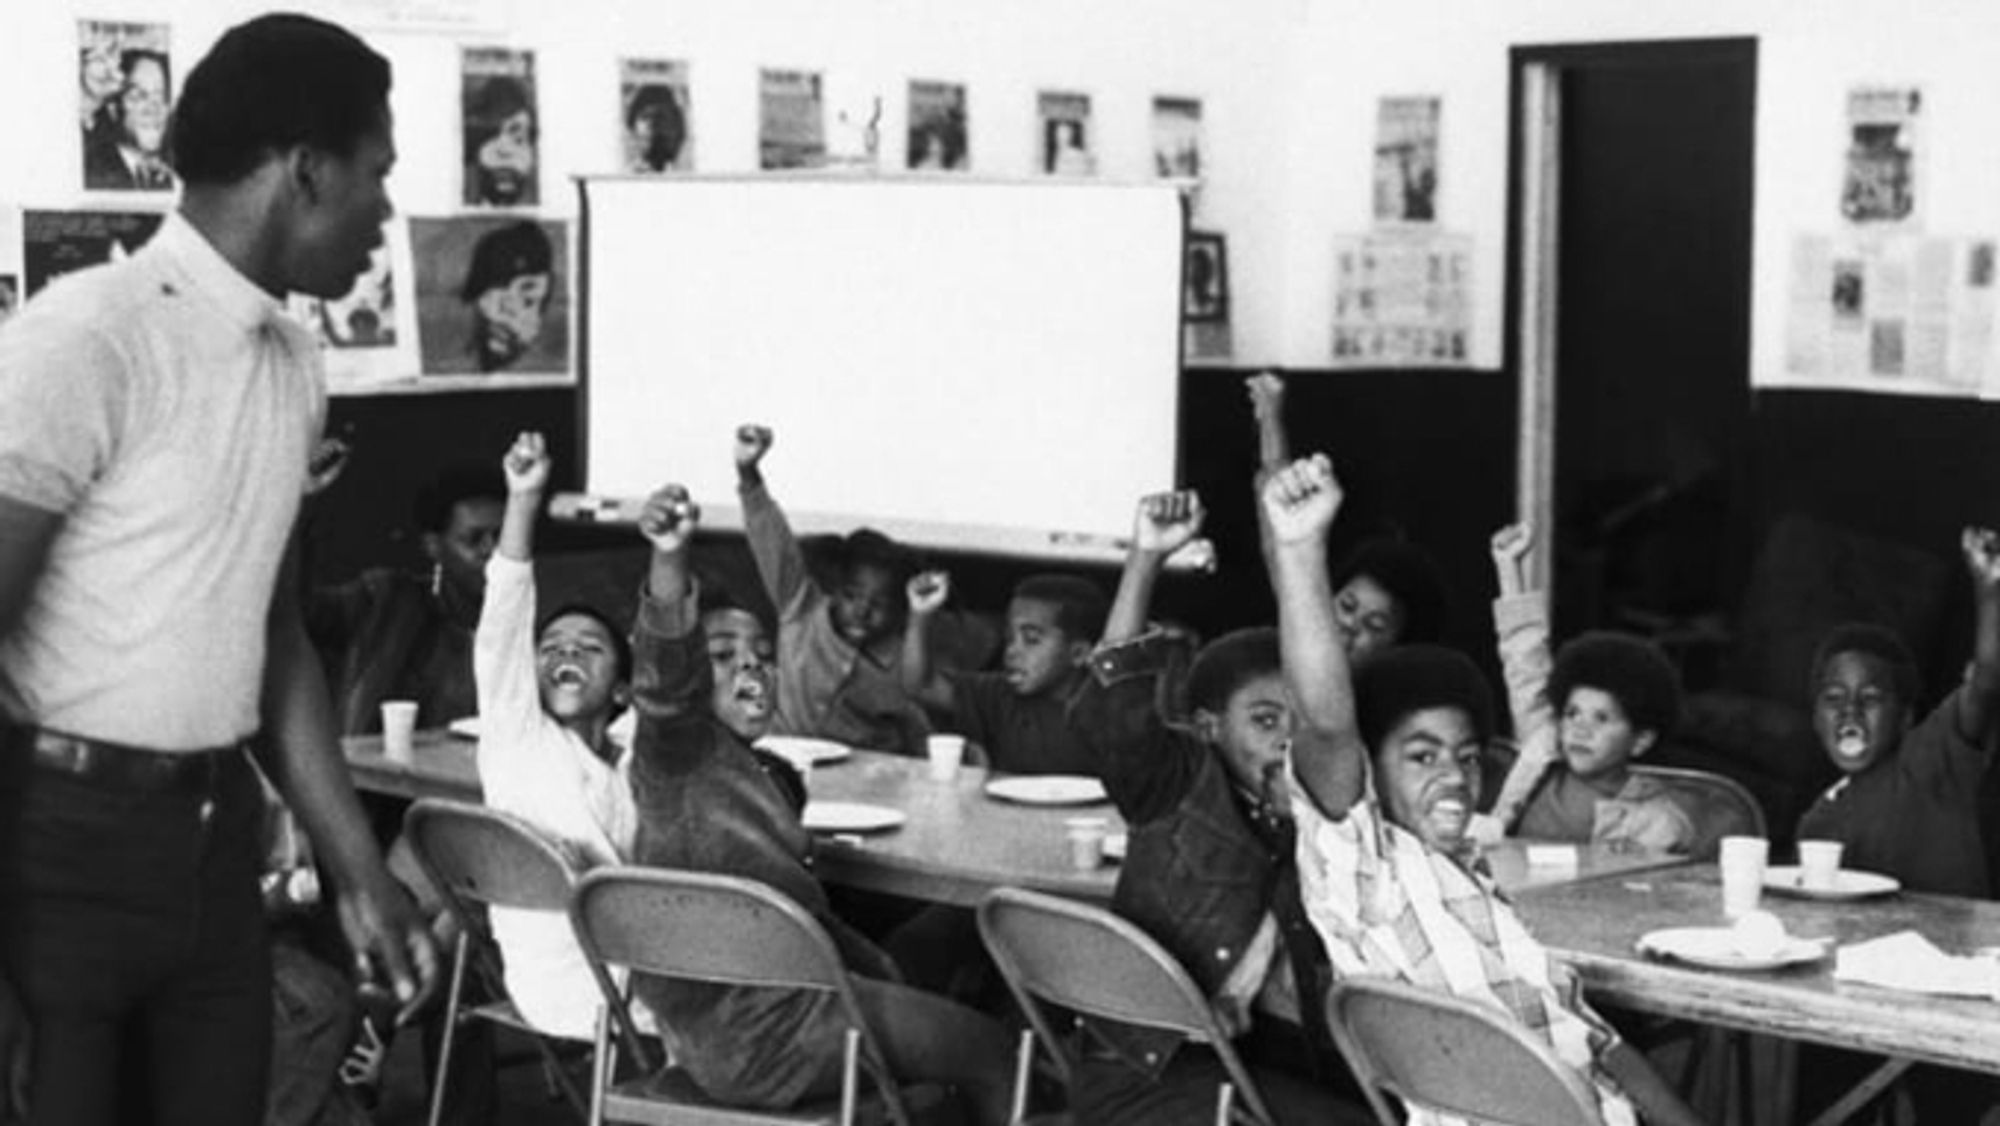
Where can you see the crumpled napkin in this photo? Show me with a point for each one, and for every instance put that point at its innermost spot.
(1910, 962)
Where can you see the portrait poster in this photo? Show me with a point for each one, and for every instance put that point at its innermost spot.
(938, 137)
(492, 300)
(1879, 186)
(1205, 279)
(1177, 151)
(1066, 140)
(791, 119)
(1402, 299)
(366, 335)
(499, 120)
(125, 78)
(657, 128)
(1406, 160)
(54, 243)
(1903, 313)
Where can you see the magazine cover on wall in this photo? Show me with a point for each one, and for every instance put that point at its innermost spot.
(1205, 279)
(366, 336)
(1880, 184)
(492, 301)
(54, 243)
(501, 128)
(939, 140)
(125, 81)
(791, 119)
(1065, 141)
(1177, 151)
(1406, 160)
(657, 131)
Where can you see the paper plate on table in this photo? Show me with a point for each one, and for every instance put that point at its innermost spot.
(1847, 884)
(465, 727)
(1114, 846)
(1047, 789)
(850, 817)
(1718, 948)
(805, 753)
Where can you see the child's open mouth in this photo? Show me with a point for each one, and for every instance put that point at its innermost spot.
(1850, 741)
(753, 692)
(568, 676)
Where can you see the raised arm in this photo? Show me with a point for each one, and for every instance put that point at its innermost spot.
(1163, 524)
(527, 468)
(1979, 699)
(779, 561)
(1521, 626)
(927, 592)
(504, 661)
(1299, 503)
(1274, 451)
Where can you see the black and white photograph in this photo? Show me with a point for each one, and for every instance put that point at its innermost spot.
(498, 109)
(125, 74)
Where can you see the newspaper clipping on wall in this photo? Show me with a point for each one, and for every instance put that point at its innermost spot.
(1910, 314)
(1406, 160)
(1402, 299)
(657, 124)
(791, 119)
(1880, 185)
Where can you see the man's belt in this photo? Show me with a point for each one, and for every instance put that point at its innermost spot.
(126, 767)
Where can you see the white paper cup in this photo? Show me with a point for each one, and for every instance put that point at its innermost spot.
(1819, 864)
(1742, 862)
(1086, 842)
(946, 753)
(399, 728)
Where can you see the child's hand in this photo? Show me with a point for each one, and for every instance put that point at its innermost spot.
(927, 591)
(526, 463)
(752, 443)
(1511, 547)
(1982, 557)
(1301, 499)
(669, 519)
(1267, 395)
(1166, 521)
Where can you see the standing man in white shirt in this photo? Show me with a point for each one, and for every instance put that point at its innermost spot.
(155, 421)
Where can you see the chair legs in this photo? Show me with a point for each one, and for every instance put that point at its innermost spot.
(453, 997)
(1024, 1071)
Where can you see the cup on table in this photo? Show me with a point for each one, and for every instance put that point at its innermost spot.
(1819, 864)
(1742, 862)
(946, 753)
(399, 729)
(1086, 842)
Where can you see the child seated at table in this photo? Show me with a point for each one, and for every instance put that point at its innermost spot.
(705, 803)
(1385, 776)
(839, 651)
(1016, 715)
(1608, 700)
(1209, 871)
(1908, 802)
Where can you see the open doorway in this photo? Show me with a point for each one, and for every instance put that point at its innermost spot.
(1629, 307)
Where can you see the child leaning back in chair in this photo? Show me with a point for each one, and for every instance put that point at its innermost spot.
(1609, 699)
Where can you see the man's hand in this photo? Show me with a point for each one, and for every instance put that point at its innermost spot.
(526, 464)
(1511, 547)
(391, 941)
(1982, 558)
(16, 1042)
(927, 591)
(1267, 395)
(325, 465)
(1301, 499)
(752, 443)
(669, 519)
(1166, 522)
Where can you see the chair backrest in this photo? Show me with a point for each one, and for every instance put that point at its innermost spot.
(1721, 805)
(1086, 959)
(1454, 1056)
(477, 855)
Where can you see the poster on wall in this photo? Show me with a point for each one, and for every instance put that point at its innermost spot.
(1402, 299)
(791, 119)
(441, 17)
(657, 133)
(1906, 314)
(1406, 160)
(1205, 279)
(363, 336)
(1177, 151)
(1880, 183)
(126, 85)
(1066, 140)
(54, 243)
(499, 119)
(492, 300)
(938, 137)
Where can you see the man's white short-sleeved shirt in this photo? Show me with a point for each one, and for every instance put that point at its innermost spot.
(166, 407)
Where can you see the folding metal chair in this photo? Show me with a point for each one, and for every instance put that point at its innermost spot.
(1452, 1056)
(1088, 960)
(480, 857)
(713, 928)
(1722, 805)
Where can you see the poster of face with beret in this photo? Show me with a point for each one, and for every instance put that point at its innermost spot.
(492, 300)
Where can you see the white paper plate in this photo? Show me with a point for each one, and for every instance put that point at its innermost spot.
(805, 753)
(465, 727)
(850, 817)
(1047, 789)
(1847, 884)
(1715, 948)
(1114, 846)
